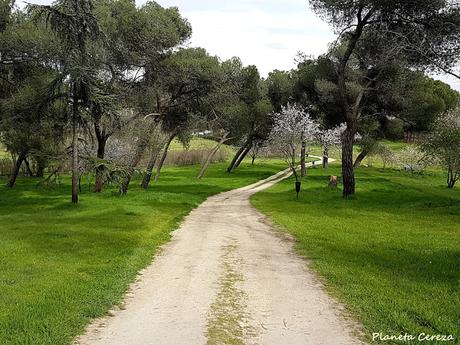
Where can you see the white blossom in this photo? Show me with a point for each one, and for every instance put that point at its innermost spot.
(292, 126)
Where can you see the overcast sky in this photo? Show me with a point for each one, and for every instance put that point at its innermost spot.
(265, 33)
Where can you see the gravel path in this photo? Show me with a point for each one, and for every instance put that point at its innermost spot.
(226, 277)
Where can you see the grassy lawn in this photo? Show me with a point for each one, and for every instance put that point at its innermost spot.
(392, 254)
(61, 265)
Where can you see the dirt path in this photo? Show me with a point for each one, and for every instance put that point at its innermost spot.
(225, 278)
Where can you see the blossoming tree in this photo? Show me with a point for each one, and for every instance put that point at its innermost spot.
(329, 138)
(293, 128)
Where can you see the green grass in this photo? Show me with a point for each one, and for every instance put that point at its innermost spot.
(61, 265)
(391, 254)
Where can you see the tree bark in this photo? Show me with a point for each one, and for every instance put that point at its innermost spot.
(348, 174)
(17, 168)
(75, 168)
(210, 156)
(363, 154)
(303, 165)
(148, 176)
(350, 117)
(101, 145)
(165, 154)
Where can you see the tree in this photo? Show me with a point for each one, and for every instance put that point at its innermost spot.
(254, 110)
(77, 27)
(136, 44)
(280, 89)
(182, 81)
(329, 138)
(26, 127)
(363, 25)
(444, 144)
(291, 126)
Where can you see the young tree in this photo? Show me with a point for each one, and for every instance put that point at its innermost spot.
(291, 126)
(444, 144)
(329, 138)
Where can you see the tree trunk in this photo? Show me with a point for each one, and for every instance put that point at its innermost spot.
(101, 144)
(363, 154)
(452, 178)
(29, 170)
(163, 157)
(209, 158)
(348, 174)
(75, 168)
(17, 168)
(325, 157)
(303, 165)
(148, 176)
(242, 156)
(235, 158)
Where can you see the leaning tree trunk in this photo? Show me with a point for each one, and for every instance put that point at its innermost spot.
(163, 157)
(348, 174)
(148, 176)
(209, 158)
(29, 170)
(363, 154)
(325, 157)
(303, 154)
(17, 168)
(235, 158)
(101, 145)
(242, 156)
(75, 170)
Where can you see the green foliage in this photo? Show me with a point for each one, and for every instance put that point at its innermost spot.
(280, 89)
(390, 254)
(140, 35)
(26, 124)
